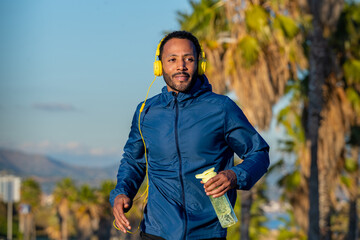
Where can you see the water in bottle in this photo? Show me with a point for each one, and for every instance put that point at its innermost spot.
(222, 206)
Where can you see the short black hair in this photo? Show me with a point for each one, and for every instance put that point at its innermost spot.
(181, 35)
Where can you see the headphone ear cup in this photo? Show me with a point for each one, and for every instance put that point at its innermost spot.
(157, 68)
(201, 67)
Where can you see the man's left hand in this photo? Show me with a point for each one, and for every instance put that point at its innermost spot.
(221, 183)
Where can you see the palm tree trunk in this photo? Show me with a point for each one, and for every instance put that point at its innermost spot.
(353, 221)
(319, 225)
(325, 17)
(105, 225)
(317, 79)
(63, 216)
(64, 231)
(246, 202)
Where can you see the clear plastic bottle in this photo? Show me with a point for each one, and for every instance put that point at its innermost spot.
(222, 206)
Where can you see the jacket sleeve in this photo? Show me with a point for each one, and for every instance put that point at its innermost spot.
(132, 167)
(247, 143)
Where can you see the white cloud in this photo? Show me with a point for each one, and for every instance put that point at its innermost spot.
(97, 151)
(72, 146)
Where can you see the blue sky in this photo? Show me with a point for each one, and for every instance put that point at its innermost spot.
(73, 71)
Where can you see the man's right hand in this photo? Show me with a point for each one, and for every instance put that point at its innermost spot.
(122, 204)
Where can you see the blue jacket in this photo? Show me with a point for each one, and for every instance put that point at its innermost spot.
(185, 135)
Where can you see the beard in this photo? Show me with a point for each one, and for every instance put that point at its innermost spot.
(179, 87)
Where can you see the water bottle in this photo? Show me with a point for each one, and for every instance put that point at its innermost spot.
(222, 206)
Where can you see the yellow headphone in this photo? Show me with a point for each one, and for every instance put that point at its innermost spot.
(158, 65)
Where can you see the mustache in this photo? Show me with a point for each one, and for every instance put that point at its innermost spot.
(181, 73)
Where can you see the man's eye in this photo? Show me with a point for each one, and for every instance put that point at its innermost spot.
(189, 59)
(172, 60)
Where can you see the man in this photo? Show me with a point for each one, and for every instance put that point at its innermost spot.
(187, 129)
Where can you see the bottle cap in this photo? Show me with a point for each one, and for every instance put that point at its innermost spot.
(206, 175)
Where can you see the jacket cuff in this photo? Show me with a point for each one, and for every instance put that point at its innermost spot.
(114, 193)
(243, 179)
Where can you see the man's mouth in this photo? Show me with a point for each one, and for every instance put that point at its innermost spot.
(181, 76)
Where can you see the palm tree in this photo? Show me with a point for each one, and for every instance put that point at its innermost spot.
(30, 196)
(340, 108)
(87, 212)
(106, 218)
(65, 194)
(264, 56)
(31, 193)
(324, 103)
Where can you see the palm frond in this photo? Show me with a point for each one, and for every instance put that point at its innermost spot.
(249, 49)
(287, 26)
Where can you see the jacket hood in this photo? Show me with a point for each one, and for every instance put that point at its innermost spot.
(200, 87)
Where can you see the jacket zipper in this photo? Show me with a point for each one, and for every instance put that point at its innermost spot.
(180, 162)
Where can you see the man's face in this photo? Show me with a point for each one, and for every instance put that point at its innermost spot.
(179, 64)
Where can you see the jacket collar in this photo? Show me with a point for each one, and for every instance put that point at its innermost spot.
(201, 86)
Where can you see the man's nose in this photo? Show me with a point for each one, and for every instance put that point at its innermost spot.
(182, 65)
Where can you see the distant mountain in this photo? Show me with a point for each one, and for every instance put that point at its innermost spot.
(47, 171)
